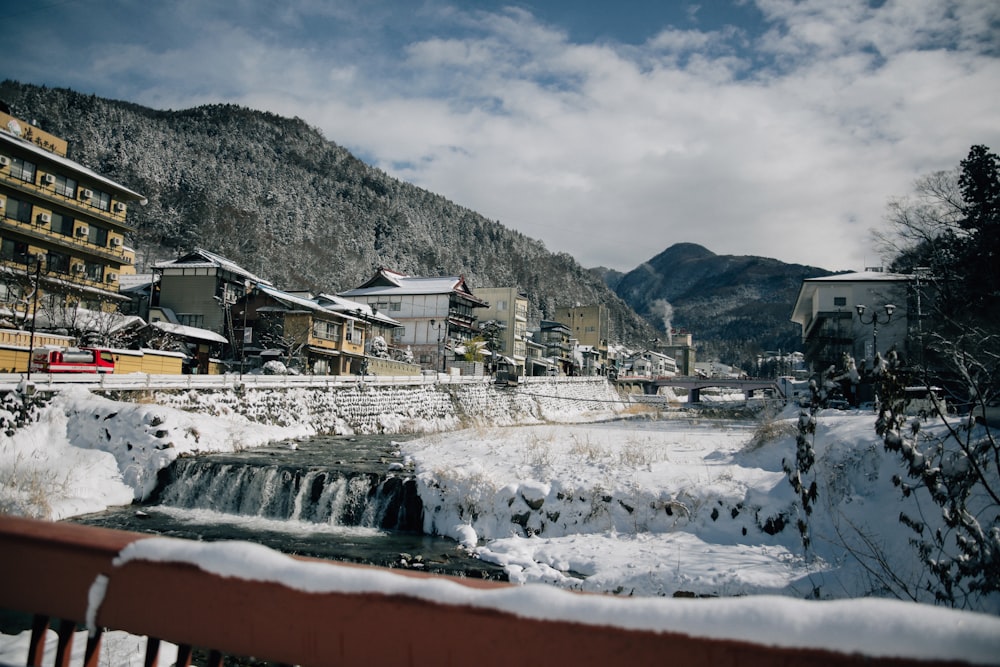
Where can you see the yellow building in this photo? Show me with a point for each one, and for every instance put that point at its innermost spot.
(589, 325)
(62, 227)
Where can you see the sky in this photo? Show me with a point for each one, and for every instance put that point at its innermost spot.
(609, 131)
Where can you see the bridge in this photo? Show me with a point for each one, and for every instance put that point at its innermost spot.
(694, 385)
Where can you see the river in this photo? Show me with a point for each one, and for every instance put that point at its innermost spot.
(332, 497)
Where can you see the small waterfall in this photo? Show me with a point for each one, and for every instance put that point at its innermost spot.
(286, 492)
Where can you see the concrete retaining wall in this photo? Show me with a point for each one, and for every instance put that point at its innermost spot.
(369, 408)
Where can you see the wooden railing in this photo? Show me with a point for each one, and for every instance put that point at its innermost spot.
(50, 570)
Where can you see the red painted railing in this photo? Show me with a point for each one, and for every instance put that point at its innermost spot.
(48, 569)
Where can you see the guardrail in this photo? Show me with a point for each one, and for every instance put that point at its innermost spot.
(144, 381)
(308, 612)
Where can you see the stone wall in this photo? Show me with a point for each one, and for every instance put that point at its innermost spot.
(369, 408)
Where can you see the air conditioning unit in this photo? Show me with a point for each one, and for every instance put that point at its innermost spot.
(82, 231)
(44, 218)
(48, 179)
(86, 194)
(115, 241)
(77, 268)
(4, 161)
(119, 207)
(111, 276)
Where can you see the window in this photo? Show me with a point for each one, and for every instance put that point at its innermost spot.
(23, 170)
(56, 262)
(10, 293)
(94, 271)
(62, 224)
(65, 186)
(191, 319)
(501, 305)
(18, 210)
(99, 237)
(840, 300)
(101, 200)
(14, 251)
(395, 306)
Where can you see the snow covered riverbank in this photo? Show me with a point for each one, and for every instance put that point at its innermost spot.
(647, 507)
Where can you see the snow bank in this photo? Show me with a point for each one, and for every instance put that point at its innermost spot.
(86, 453)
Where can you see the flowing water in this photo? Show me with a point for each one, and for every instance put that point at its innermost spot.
(335, 497)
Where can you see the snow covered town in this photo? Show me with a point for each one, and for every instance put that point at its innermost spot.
(181, 451)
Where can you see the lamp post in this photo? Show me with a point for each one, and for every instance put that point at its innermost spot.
(440, 355)
(34, 310)
(874, 320)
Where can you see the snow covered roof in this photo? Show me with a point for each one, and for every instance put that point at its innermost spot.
(861, 276)
(120, 190)
(342, 305)
(298, 302)
(185, 331)
(388, 282)
(200, 258)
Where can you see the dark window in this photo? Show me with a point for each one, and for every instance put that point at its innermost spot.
(840, 300)
(57, 263)
(97, 236)
(98, 199)
(65, 186)
(14, 251)
(191, 319)
(62, 224)
(94, 271)
(23, 170)
(18, 210)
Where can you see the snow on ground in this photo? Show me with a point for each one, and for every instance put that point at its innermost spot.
(87, 453)
(641, 508)
(674, 507)
(119, 649)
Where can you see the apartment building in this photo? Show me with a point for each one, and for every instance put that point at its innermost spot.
(62, 228)
(590, 326)
(508, 307)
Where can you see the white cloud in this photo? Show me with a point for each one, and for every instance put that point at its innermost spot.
(785, 143)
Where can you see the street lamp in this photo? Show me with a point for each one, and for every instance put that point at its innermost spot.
(874, 320)
(438, 351)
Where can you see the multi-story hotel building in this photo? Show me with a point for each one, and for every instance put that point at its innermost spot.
(62, 227)
(509, 307)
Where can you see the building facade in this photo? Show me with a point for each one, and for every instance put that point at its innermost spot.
(508, 307)
(435, 314)
(62, 228)
(827, 311)
(590, 326)
(199, 290)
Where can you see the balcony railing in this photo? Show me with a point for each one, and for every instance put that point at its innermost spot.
(240, 600)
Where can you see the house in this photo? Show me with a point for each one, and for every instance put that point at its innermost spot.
(384, 355)
(272, 325)
(857, 313)
(650, 364)
(590, 326)
(62, 228)
(436, 314)
(508, 308)
(199, 290)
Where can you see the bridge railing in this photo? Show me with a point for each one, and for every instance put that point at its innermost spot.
(287, 612)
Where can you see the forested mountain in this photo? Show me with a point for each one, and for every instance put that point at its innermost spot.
(737, 305)
(275, 196)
